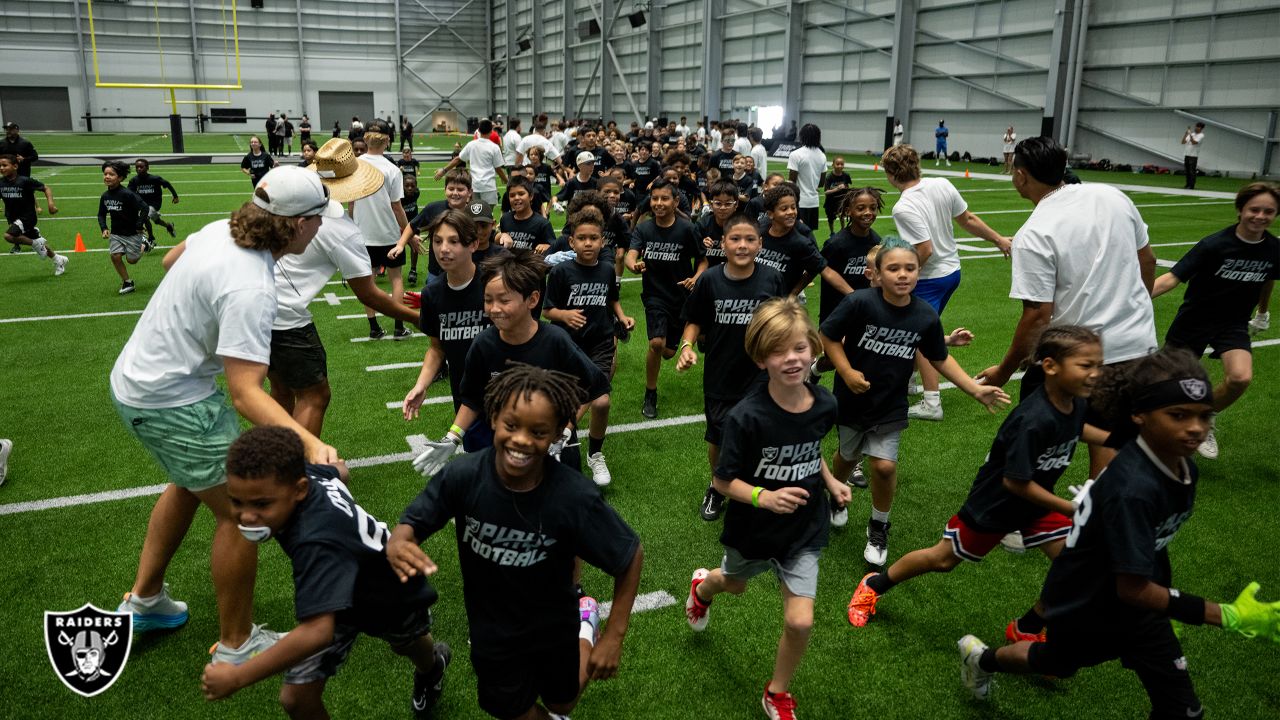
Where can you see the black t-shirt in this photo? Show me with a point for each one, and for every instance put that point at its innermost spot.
(707, 227)
(643, 173)
(683, 204)
(575, 186)
(1123, 525)
(536, 200)
(542, 178)
(617, 238)
(769, 447)
(626, 202)
(338, 553)
(304, 129)
(23, 147)
(670, 255)
(125, 209)
(529, 233)
(604, 160)
(516, 550)
(19, 195)
(1224, 277)
(722, 308)
(836, 186)
(1034, 444)
(723, 161)
(408, 167)
(455, 317)
(150, 188)
(792, 255)
(845, 253)
(550, 348)
(749, 184)
(880, 341)
(410, 203)
(590, 288)
(421, 221)
(257, 165)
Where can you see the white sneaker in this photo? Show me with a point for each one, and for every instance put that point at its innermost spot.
(160, 612)
(1013, 543)
(40, 245)
(913, 385)
(599, 471)
(839, 516)
(857, 479)
(260, 639)
(1209, 448)
(877, 550)
(59, 264)
(6, 447)
(1260, 323)
(924, 411)
(975, 678)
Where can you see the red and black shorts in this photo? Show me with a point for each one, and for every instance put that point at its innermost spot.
(970, 544)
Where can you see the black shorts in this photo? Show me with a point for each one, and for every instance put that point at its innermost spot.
(1145, 644)
(298, 357)
(378, 257)
(325, 663)
(600, 352)
(809, 216)
(508, 686)
(1033, 380)
(18, 228)
(664, 322)
(1221, 340)
(716, 411)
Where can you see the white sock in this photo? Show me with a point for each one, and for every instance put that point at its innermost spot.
(146, 601)
(587, 632)
(932, 398)
(879, 516)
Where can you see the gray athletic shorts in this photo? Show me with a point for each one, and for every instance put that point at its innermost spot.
(856, 442)
(798, 572)
(129, 246)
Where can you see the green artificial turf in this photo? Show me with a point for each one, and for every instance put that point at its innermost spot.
(69, 441)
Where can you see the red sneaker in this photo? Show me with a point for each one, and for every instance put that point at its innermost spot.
(863, 603)
(695, 609)
(1013, 634)
(778, 706)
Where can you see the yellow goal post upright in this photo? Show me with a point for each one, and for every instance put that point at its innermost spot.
(230, 51)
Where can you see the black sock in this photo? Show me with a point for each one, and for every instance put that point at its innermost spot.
(988, 661)
(880, 582)
(651, 393)
(1031, 622)
(373, 323)
(594, 446)
(399, 325)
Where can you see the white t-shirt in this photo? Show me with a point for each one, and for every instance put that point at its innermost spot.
(373, 214)
(715, 137)
(1078, 250)
(559, 139)
(742, 146)
(338, 246)
(1009, 140)
(701, 132)
(549, 149)
(809, 164)
(761, 156)
(483, 158)
(682, 130)
(1192, 146)
(510, 142)
(218, 300)
(925, 211)
(898, 133)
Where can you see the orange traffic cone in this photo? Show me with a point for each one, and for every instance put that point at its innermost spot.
(966, 172)
(80, 244)
(875, 167)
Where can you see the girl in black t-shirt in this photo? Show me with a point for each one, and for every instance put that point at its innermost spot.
(1109, 594)
(846, 251)
(256, 162)
(771, 470)
(835, 185)
(1014, 488)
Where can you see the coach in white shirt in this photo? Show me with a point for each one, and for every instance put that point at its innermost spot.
(1082, 258)
(484, 160)
(382, 220)
(537, 139)
(510, 143)
(805, 166)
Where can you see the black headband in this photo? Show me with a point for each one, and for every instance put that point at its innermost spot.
(1172, 392)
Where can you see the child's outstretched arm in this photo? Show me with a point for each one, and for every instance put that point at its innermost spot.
(222, 680)
(405, 556)
(989, 395)
(607, 654)
(1247, 615)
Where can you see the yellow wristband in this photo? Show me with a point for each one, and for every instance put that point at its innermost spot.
(755, 496)
(684, 344)
(455, 430)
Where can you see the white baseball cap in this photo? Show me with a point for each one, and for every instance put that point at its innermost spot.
(585, 157)
(295, 192)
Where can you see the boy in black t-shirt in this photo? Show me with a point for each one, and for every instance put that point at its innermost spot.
(19, 195)
(669, 256)
(1109, 595)
(582, 298)
(723, 197)
(789, 251)
(151, 189)
(344, 584)
(409, 203)
(1225, 275)
(871, 338)
(835, 186)
(521, 228)
(407, 163)
(772, 470)
(457, 195)
(719, 308)
(722, 159)
(520, 522)
(643, 171)
(127, 212)
(584, 180)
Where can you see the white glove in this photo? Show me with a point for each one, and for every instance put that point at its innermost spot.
(1079, 491)
(706, 210)
(437, 454)
(557, 206)
(1260, 323)
(558, 446)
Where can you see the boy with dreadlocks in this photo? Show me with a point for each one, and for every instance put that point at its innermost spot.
(520, 522)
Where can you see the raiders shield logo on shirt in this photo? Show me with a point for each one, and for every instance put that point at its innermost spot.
(88, 647)
(769, 453)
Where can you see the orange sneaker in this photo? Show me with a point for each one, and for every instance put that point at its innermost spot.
(863, 604)
(1013, 634)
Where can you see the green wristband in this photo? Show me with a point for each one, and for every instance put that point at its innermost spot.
(455, 430)
(755, 496)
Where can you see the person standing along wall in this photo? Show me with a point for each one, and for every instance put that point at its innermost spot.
(1191, 155)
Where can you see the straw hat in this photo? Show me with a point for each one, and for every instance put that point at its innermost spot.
(346, 177)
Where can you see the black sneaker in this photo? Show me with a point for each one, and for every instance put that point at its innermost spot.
(413, 277)
(877, 550)
(857, 479)
(126, 287)
(427, 687)
(402, 333)
(169, 227)
(148, 243)
(650, 407)
(712, 505)
(377, 333)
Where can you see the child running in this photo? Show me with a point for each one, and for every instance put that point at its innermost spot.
(771, 467)
(520, 522)
(789, 250)
(19, 195)
(720, 308)
(151, 189)
(846, 251)
(1109, 594)
(1014, 487)
(127, 212)
(667, 253)
(1225, 275)
(723, 197)
(871, 339)
(582, 298)
(343, 582)
(521, 228)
